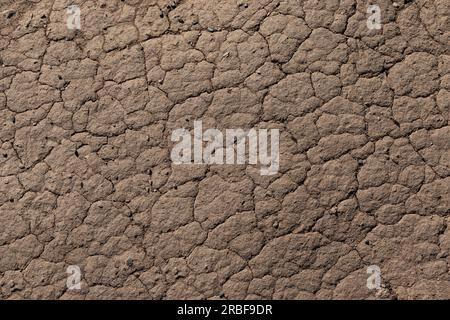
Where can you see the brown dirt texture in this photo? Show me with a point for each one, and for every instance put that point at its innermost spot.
(86, 177)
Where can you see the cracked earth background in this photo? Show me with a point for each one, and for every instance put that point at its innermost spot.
(85, 171)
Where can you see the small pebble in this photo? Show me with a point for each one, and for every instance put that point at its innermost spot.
(130, 262)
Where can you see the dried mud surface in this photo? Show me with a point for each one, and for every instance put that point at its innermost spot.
(86, 177)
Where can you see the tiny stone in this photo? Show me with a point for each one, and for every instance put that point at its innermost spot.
(130, 262)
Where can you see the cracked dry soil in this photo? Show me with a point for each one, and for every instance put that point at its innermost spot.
(86, 177)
